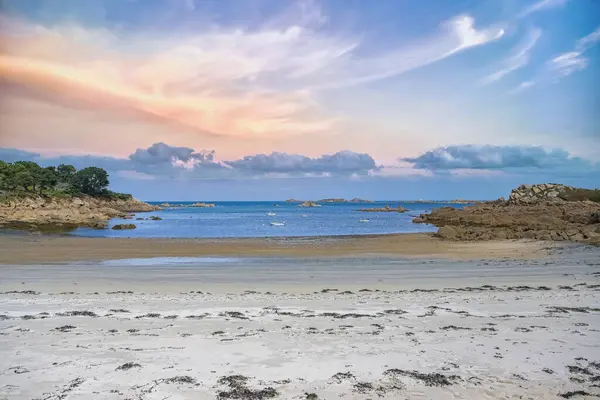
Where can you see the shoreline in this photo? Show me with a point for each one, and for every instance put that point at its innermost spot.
(42, 249)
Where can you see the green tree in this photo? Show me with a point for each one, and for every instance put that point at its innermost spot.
(66, 173)
(18, 176)
(91, 180)
(3, 172)
(48, 178)
(30, 175)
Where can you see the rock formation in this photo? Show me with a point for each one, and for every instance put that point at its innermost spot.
(124, 226)
(203, 205)
(541, 212)
(67, 213)
(309, 204)
(532, 194)
(398, 209)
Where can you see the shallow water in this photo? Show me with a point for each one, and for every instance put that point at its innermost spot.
(250, 219)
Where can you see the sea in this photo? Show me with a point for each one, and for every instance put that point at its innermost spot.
(252, 219)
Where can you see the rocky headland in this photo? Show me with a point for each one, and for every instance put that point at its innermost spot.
(56, 213)
(542, 212)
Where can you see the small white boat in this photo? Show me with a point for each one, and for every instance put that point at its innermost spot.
(277, 223)
(363, 220)
(270, 214)
(305, 215)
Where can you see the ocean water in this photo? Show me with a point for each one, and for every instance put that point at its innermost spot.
(250, 219)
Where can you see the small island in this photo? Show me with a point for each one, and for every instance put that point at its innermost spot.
(57, 198)
(341, 200)
(309, 204)
(398, 209)
(203, 205)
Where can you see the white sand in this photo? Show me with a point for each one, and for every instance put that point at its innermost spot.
(499, 342)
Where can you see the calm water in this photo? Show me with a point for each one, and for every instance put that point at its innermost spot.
(250, 219)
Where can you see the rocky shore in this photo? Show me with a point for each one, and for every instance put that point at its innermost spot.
(541, 212)
(56, 213)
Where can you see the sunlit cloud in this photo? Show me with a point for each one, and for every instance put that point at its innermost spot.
(223, 81)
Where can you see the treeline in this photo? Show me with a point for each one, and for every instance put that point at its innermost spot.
(30, 177)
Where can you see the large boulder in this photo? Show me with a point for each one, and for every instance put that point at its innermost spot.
(124, 226)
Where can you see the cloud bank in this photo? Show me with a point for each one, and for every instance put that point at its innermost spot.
(475, 157)
(162, 160)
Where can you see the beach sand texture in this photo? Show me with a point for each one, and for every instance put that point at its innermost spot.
(516, 329)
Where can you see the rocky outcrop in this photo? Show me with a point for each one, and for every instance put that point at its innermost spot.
(203, 205)
(51, 213)
(292, 201)
(532, 212)
(121, 227)
(531, 194)
(398, 209)
(309, 204)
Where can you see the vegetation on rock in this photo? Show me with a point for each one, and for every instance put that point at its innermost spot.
(28, 178)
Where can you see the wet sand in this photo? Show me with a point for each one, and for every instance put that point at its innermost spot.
(35, 249)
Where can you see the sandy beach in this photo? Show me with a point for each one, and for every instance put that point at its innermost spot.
(303, 328)
(31, 248)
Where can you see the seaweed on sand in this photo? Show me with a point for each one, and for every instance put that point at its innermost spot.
(128, 366)
(238, 389)
(432, 379)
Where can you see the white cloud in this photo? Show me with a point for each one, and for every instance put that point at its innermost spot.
(566, 63)
(588, 41)
(522, 86)
(541, 5)
(518, 59)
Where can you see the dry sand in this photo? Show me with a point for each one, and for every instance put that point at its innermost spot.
(32, 249)
(337, 328)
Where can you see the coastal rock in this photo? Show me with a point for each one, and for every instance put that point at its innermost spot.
(398, 209)
(202, 205)
(124, 226)
(540, 212)
(292, 201)
(52, 213)
(165, 205)
(309, 204)
(334, 200)
(154, 218)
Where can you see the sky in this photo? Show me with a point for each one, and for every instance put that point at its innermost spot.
(271, 99)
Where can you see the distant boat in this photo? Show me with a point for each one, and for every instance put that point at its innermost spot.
(364, 220)
(270, 214)
(277, 224)
(305, 215)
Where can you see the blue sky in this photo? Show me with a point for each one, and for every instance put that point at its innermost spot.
(267, 99)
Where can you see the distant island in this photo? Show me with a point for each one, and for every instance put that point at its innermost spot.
(398, 209)
(60, 197)
(331, 200)
(359, 200)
